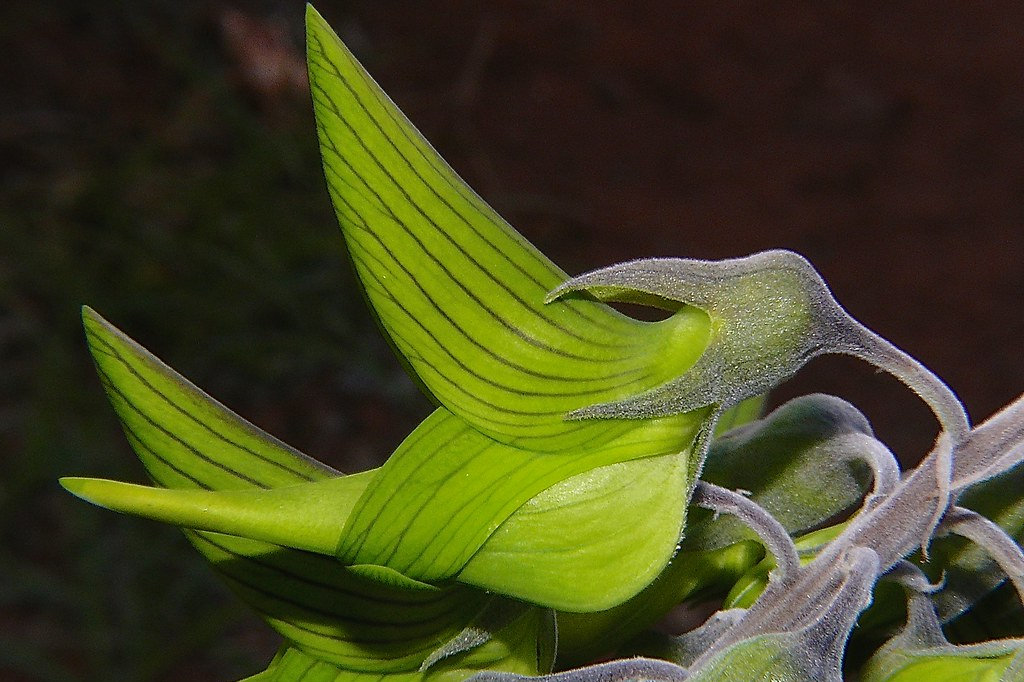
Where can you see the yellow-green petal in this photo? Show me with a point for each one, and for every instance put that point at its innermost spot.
(523, 646)
(448, 488)
(459, 293)
(193, 444)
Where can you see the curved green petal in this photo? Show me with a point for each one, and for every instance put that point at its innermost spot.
(795, 462)
(334, 614)
(169, 421)
(448, 489)
(459, 293)
(522, 646)
(429, 513)
(190, 442)
(560, 550)
(307, 516)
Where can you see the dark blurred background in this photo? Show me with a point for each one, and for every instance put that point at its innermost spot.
(158, 162)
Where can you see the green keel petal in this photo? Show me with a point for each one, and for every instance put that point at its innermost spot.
(561, 551)
(449, 488)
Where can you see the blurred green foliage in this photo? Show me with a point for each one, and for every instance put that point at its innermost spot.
(137, 175)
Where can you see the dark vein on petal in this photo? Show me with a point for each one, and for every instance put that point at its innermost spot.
(381, 287)
(367, 149)
(186, 413)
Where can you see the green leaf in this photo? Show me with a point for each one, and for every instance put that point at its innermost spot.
(459, 293)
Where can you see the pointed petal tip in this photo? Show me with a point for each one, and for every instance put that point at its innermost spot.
(83, 488)
(70, 483)
(315, 22)
(89, 315)
(92, 320)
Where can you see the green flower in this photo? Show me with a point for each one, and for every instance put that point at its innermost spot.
(495, 495)
(554, 473)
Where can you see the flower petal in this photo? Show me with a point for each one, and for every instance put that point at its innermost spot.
(458, 292)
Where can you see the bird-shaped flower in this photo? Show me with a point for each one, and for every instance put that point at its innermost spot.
(554, 473)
